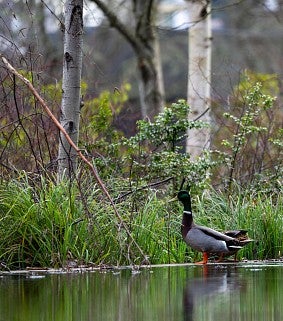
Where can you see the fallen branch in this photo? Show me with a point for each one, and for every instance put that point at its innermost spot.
(75, 147)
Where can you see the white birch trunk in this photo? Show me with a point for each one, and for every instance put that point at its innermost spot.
(160, 78)
(199, 74)
(71, 87)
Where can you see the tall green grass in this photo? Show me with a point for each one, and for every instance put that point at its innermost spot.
(49, 225)
(260, 214)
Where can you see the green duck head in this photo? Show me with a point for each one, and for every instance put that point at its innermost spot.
(185, 198)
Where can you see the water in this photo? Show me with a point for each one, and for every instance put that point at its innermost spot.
(215, 292)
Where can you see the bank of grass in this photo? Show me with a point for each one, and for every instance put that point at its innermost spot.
(51, 225)
(259, 213)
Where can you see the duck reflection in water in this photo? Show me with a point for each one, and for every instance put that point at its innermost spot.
(199, 291)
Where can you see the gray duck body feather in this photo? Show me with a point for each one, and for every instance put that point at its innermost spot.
(205, 239)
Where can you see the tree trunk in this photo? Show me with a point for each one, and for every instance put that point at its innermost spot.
(199, 74)
(160, 78)
(142, 38)
(146, 52)
(71, 87)
(150, 86)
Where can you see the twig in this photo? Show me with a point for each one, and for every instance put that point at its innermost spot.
(118, 199)
(75, 147)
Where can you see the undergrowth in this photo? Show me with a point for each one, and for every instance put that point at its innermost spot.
(48, 225)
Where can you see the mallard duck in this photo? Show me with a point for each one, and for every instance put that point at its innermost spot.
(205, 239)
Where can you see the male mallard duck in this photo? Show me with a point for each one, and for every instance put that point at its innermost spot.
(205, 239)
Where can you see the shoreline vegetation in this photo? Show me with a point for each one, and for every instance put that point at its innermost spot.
(235, 185)
(52, 225)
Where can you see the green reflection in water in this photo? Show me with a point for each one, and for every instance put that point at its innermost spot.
(251, 293)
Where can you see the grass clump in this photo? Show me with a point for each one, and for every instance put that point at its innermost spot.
(261, 214)
(50, 227)
(36, 225)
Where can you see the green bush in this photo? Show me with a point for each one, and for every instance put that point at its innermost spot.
(251, 149)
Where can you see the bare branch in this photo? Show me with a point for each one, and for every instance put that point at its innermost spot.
(118, 199)
(62, 25)
(117, 23)
(74, 146)
(143, 11)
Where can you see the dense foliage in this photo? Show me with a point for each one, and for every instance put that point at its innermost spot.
(43, 223)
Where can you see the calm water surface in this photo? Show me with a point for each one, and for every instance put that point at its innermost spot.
(215, 292)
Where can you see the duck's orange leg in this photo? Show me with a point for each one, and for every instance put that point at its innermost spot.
(204, 258)
(220, 258)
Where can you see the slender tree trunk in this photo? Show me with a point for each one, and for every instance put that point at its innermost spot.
(146, 50)
(150, 87)
(158, 63)
(199, 74)
(71, 87)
